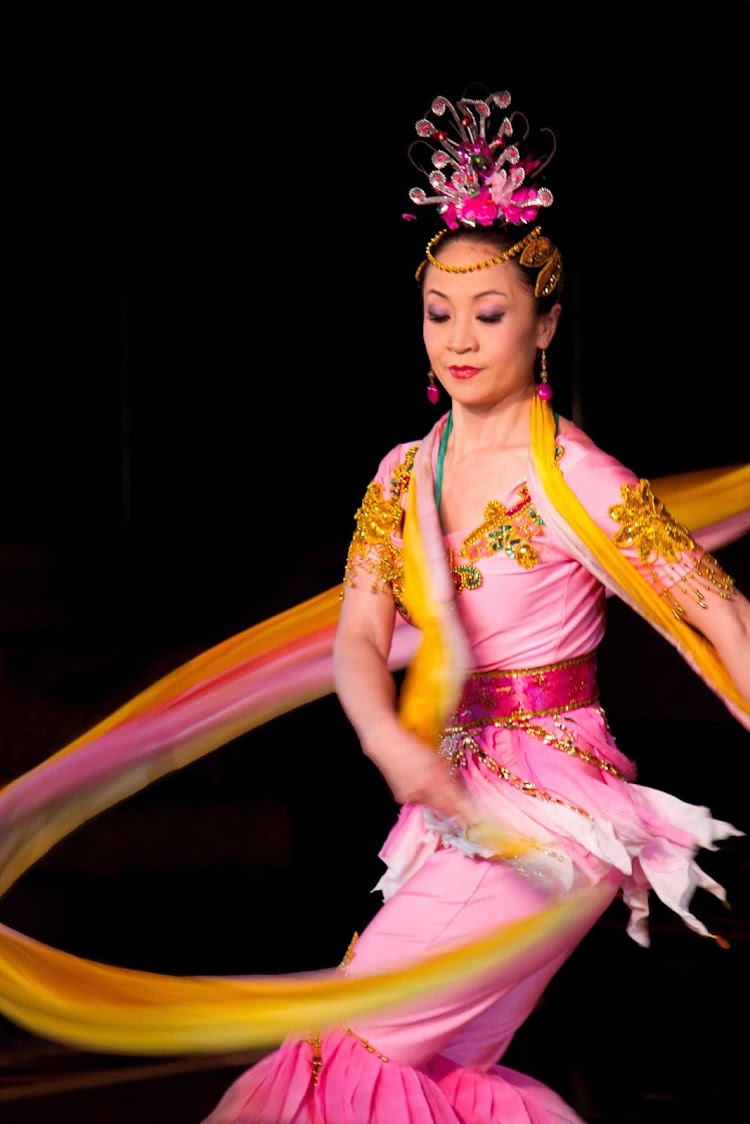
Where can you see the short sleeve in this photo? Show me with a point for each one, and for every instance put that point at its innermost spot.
(376, 549)
(624, 505)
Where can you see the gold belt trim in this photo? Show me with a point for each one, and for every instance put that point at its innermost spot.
(524, 693)
(510, 700)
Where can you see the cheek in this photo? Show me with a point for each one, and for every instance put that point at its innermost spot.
(520, 339)
(505, 350)
(429, 335)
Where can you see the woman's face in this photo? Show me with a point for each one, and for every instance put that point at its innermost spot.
(482, 329)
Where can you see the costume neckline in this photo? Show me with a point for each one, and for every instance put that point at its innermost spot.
(441, 461)
(441, 458)
(444, 445)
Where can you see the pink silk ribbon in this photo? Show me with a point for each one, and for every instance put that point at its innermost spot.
(249, 679)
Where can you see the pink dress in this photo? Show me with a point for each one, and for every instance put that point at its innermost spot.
(552, 776)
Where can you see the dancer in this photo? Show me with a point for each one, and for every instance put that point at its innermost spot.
(498, 536)
(481, 560)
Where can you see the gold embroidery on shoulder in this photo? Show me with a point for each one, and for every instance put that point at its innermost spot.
(648, 527)
(378, 520)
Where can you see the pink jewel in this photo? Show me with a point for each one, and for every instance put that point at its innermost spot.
(433, 394)
(544, 390)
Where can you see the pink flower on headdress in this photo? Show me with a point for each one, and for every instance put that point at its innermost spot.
(450, 214)
(518, 215)
(525, 204)
(522, 207)
(478, 175)
(504, 185)
(479, 209)
(516, 203)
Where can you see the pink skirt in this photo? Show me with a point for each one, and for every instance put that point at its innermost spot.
(555, 781)
(433, 1061)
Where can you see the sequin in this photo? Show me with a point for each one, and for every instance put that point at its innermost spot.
(508, 530)
(647, 526)
(378, 520)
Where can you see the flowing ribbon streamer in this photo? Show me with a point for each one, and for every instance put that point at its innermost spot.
(433, 682)
(268, 670)
(118, 1010)
(572, 524)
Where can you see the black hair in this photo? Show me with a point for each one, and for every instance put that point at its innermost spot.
(498, 239)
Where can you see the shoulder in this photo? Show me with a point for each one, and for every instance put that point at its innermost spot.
(581, 457)
(597, 478)
(579, 449)
(396, 464)
(400, 458)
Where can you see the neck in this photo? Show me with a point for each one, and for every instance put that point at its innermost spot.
(504, 424)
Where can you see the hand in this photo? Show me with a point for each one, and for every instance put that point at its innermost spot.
(416, 774)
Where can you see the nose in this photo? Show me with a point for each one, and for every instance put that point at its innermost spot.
(461, 337)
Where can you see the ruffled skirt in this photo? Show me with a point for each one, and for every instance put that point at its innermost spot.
(559, 789)
(355, 1087)
(560, 785)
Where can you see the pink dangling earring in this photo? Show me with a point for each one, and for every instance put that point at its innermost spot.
(544, 390)
(433, 392)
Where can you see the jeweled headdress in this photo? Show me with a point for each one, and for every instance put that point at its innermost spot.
(481, 178)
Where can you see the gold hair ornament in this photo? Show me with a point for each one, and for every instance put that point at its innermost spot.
(534, 249)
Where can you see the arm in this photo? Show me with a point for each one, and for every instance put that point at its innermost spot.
(367, 692)
(725, 623)
(667, 556)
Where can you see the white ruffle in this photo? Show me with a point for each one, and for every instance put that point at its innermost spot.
(567, 846)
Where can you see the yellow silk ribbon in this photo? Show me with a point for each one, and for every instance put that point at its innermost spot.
(108, 1008)
(569, 518)
(118, 1010)
(433, 682)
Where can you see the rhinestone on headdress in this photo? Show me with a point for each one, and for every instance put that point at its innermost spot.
(488, 177)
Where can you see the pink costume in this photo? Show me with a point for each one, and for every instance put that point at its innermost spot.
(533, 746)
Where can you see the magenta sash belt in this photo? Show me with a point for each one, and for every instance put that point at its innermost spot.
(530, 693)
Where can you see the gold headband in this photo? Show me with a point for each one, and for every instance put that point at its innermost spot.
(535, 251)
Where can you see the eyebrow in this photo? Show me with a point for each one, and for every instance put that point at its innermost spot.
(476, 297)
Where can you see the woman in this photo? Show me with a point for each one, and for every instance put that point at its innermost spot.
(499, 536)
(480, 563)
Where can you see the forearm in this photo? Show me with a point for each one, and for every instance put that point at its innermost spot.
(726, 625)
(367, 692)
(735, 654)
(414, 773)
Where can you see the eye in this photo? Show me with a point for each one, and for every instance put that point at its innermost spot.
(490, 317)
(437, 317)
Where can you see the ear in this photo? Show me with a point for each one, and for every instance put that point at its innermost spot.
(547, 325)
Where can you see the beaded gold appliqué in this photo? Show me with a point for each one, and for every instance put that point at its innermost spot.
(314, 1038)
(647, 525)
(346, 961)
(649, 528)
(507, 530)
(378, 518)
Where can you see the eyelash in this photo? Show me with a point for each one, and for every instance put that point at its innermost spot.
(494, 318)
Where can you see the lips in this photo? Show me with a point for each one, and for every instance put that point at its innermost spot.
(464, 372)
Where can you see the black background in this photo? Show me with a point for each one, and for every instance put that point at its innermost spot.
(212, 335)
